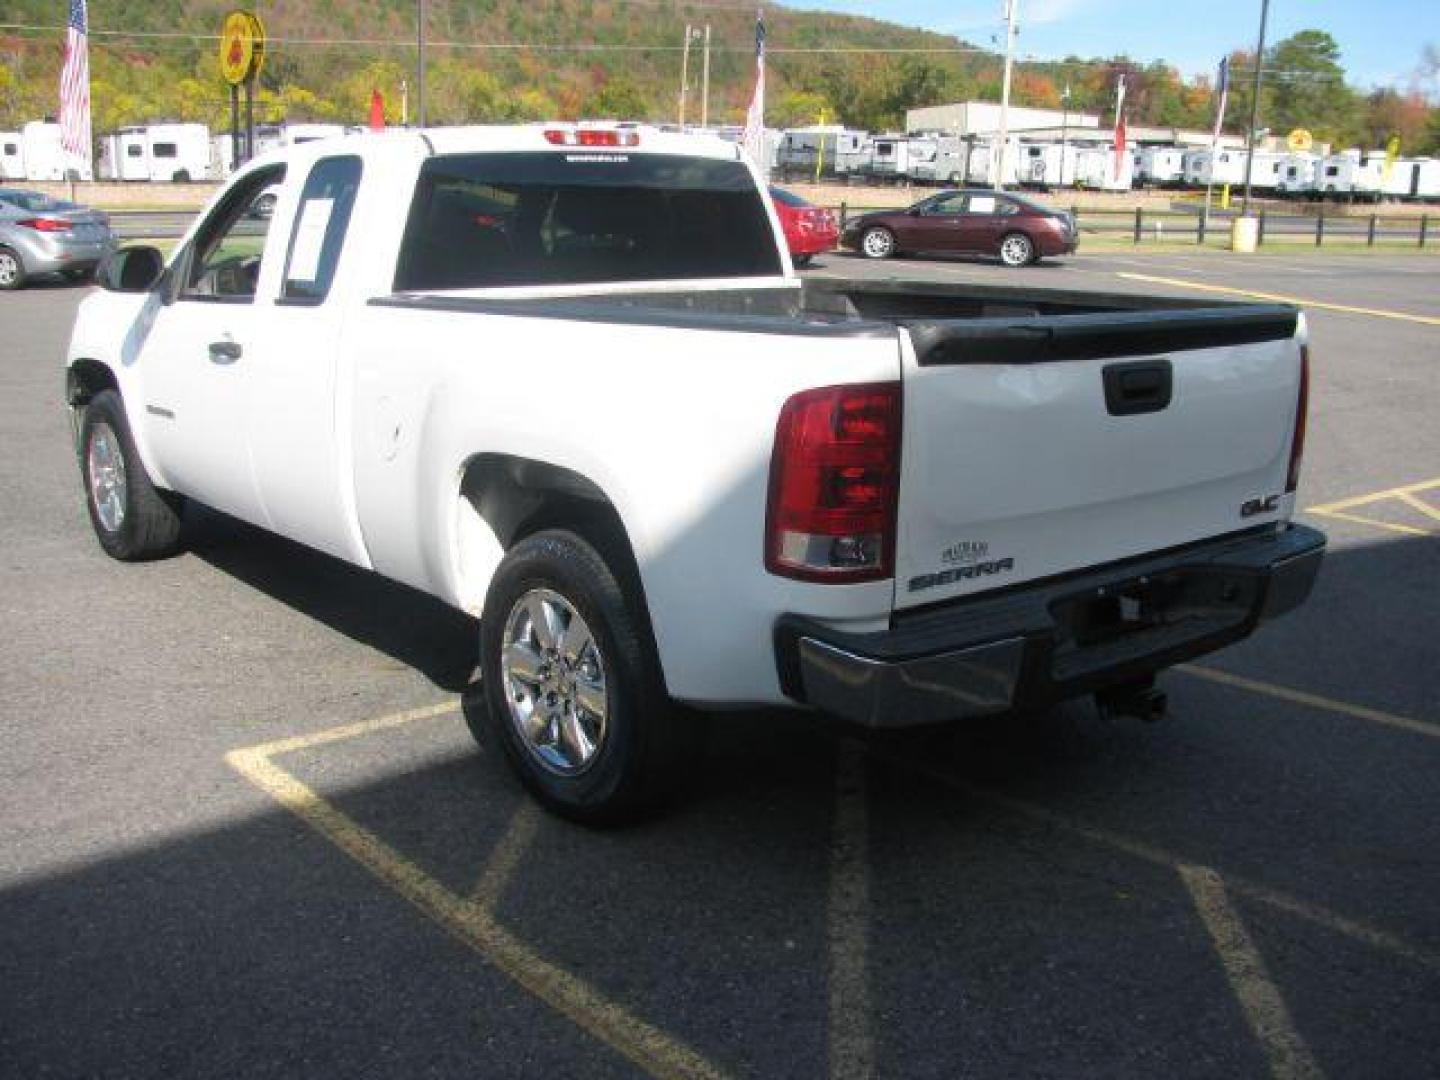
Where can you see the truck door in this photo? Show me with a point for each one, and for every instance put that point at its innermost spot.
(295, 414)
(196, 356)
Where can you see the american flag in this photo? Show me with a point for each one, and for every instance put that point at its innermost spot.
(753, 140)
(1119, 128)
(75, 85)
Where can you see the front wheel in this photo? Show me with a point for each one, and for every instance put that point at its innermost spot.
(573, 690)
(132, 519)
(1016, 250)
(878, 243)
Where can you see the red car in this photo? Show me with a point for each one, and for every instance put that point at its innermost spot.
(809, 229)
(965, 223)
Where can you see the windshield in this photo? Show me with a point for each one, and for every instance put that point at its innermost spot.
(33, 200)
(494, 220)
(789, 198)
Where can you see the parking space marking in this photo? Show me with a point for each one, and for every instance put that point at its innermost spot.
(651, 1049)
(1259, 997)
(1157, 856)
(1314, 701)
(1347, 309)
(852, 1054)
(1408, 494)
(519, 835)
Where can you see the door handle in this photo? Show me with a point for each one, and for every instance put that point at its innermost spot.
(225, 352)
(1133, 389)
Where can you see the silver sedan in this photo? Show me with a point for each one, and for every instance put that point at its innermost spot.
(41, 235)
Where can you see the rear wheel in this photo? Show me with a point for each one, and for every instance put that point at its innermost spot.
(12, 270)
(878, 243)
(1016, 249)
(572, 686)
(133, 520)
(802, 260)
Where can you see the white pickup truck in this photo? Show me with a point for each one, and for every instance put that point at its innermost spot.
(564, 378)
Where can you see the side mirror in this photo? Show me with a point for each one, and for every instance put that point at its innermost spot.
(134, 269)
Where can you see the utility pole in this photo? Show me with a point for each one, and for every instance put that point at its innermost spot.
(404, 102)
(999, 177)
(1254, 108)
(705, 82)
(1064, 131)
(420, 61)
(691, 33)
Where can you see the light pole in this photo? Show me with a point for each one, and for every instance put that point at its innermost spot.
(692, 33)
(999, 177)
(1254, 108)
(705, 82)
(1064, 131)
(420, 61)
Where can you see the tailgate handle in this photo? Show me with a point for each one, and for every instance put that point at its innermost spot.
(1140, 387)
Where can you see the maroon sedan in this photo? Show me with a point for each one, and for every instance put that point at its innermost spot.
(965, 223)
(809, 229)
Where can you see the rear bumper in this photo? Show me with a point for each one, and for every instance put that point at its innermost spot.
(1042, 643)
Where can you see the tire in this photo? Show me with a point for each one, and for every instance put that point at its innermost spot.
(877, 242)
(1016, 249)
(543, 703)
(12, 270)
(132, 519)
(802, 260)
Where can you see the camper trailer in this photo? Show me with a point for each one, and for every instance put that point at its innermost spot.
(837, 150)
(163, 153)
(1297, 175)
(1217, 167)
(12, 156)
(1267, 170)
(980, 166)
(1160, 166)
(887, 158)
(1412, 178)
(1352, 174)
(1100, 168)
(46, 159)
(1047, 166)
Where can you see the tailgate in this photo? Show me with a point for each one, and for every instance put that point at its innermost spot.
(1040, 446)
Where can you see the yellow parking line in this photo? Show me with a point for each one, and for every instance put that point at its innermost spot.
(852, 1053)
(1157, 856)
(1348, 309)
(1315, 701)
(1361, 519)
(1418, 504)
(1375, 496)
(524, 825)
(1256, 992)
(651, 1049)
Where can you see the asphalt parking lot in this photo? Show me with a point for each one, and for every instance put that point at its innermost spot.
(243, 829)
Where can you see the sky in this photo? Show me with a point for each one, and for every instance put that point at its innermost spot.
(1380, 40)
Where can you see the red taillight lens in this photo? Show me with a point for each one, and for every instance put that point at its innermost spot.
(834, 484)
(1302, 410)
(42, 224)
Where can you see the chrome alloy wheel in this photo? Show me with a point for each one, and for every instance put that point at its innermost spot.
(1015, 250)
(878, 243)
(9, 269)
(554, 682)
(105, 468)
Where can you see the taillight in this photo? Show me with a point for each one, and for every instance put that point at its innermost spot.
(834, 484)
(45, 224)
(591, 137)
(1302, 409)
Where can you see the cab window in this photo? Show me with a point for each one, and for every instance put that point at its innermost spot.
(946, 204)
(319, 230)
(224, 263)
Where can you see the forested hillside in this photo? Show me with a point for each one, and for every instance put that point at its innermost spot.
(497, 60)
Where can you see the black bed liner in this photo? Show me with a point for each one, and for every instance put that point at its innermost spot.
(948, 324)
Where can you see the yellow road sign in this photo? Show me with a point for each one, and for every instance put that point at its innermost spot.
(1299, 140)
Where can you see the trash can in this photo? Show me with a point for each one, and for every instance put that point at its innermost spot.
(1244, 234)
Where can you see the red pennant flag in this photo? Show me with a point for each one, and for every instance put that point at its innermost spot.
(377, 111)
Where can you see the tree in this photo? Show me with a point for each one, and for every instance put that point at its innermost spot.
(1307, 88)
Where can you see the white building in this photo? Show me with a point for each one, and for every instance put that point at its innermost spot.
(983, 118)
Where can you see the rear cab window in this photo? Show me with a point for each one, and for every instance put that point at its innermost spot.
(550, 218)
(318, 233)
